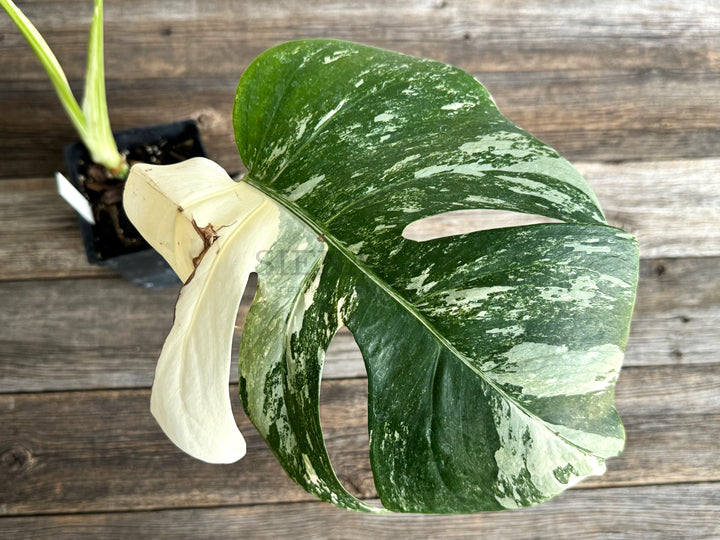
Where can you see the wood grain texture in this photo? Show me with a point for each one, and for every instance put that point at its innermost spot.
(582, 115)
(193, 40)
(100, 451)
(595, 80)
(90, 451)
(35, 129)
(39, 233)
(678, 511)
(107, 333)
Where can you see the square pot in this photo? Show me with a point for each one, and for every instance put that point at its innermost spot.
(113, 241)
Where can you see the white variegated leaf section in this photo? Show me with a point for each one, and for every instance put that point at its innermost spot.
(190, 213)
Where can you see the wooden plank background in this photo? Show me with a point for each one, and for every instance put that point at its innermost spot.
(630, 91)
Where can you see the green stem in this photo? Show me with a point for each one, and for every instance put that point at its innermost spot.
(101, 143)
(91, 121)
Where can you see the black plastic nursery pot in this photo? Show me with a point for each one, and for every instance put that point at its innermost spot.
(113, 241)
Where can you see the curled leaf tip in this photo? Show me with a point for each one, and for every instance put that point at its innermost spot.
(188, 212)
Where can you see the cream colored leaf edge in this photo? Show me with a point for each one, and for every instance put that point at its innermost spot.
(210, 229)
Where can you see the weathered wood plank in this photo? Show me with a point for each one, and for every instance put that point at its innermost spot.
(672, 207)
(99, 451)
(107, 333)
(638, 513)
(649, 512)
(677, 315)
(102, 450)
(606, 116)
(39, 236)
(34, 129)
(181, 38)
(596, 81)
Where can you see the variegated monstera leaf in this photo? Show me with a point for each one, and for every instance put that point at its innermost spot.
(491, 356)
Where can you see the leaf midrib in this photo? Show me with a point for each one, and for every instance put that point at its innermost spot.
(331, 240)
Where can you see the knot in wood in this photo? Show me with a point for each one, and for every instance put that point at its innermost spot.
(16, 459)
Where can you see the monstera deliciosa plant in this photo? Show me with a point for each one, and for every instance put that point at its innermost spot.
(491, 356)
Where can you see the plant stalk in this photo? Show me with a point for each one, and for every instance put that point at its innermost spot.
(91, 121)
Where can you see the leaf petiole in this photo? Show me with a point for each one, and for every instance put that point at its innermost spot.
(91, 120)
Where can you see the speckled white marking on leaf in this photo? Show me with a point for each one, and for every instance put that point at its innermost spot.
(456, 106)
(304, 301)
(468, 297)
(528, 456)
(302, 126)
(527, 160)
(418, 284)
(337, 55)
(384, 117)
(513, 330)
(277, 151)
(330, 114)
(581, 293)
(432, 170)
(310, 473)
(305, 188)
(543, 370)
(585, 246)
(602, 445)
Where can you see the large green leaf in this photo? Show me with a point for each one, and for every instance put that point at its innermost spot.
(491, 356)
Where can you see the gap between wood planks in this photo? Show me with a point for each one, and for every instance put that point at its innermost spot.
(635, 118)
(99, 450)
(301, 503)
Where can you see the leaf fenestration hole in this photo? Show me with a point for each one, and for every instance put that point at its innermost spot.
(466, 221)
(244, 306)
(343, 358)
(343, 415)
